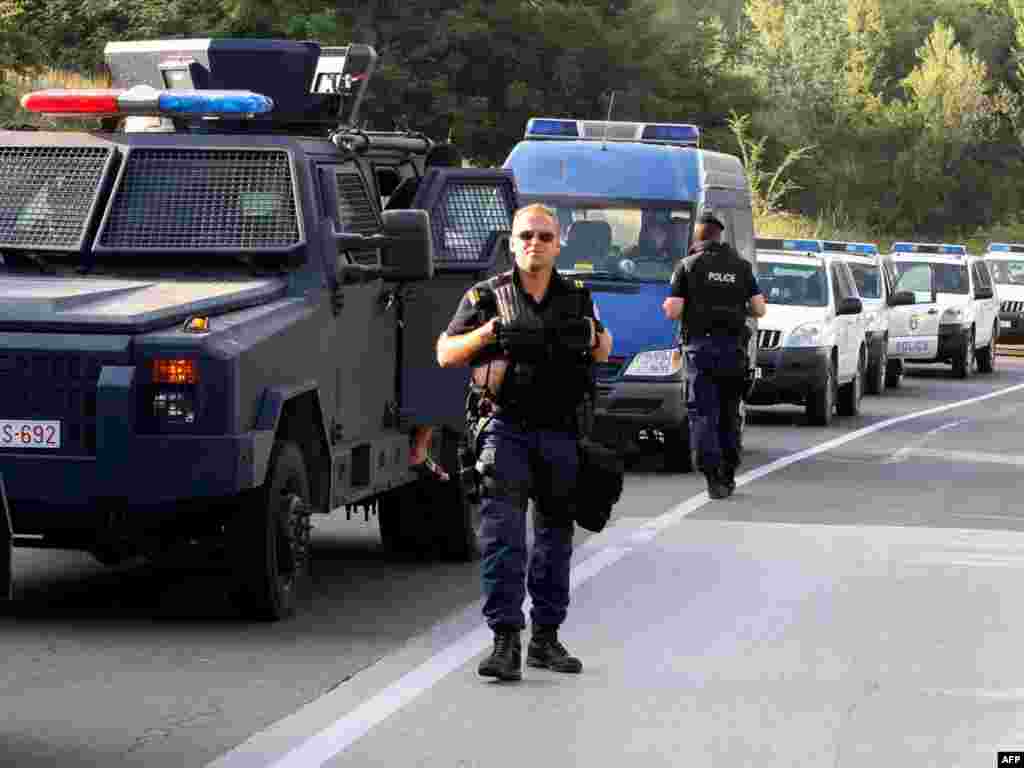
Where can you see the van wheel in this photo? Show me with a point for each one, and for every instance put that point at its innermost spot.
(894, 374)
(821, 403)
(676, 449)
(963, 366)
(877, 376)
(430, 518)
(987, 356)
(269, 539)
(851, 394)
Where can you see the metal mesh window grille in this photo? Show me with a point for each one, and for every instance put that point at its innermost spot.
(196, 199)
(47, 194)
(464, 218)
(355, 211)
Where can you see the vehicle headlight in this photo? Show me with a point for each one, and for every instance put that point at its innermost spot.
(170, 397)
(659, 362)
(806, 335)
(952, 315)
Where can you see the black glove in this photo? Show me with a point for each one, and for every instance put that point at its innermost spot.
(573, 335)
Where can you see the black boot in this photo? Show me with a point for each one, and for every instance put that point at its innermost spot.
(546, 652)
(727, 476)
(716, 488)
(506, 660)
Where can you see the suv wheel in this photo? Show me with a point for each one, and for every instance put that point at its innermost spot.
(894, 374)
(987, 356)
(963, 366)
(821, 403)
(269, 539)
(877, 376)
(850, 394)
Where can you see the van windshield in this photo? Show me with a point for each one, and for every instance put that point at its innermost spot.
(802, 285)
(1008, 272)
(622, 242)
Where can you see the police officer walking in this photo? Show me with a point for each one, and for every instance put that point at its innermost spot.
(531, 336)
(714, 290)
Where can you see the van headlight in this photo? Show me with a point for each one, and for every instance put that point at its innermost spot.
(806, 335)
(659, 362)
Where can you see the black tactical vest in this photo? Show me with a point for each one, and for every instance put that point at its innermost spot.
(548, 383)
(717, 292)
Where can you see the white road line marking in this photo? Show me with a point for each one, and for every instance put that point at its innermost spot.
(1018, 518)
(914, 445)
(971, 457)
(346, 730)
(1009, 694)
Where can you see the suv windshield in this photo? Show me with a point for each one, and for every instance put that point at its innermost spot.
(620, 241)
(868, 278)
(795, 284)
(1007, 272)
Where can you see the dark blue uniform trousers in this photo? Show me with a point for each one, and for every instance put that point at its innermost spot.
(715, 370)
(518, 463)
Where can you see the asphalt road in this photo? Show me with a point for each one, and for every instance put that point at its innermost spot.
(855, 606)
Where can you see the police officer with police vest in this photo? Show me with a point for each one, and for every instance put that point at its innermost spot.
(714, 291)
(531, 336)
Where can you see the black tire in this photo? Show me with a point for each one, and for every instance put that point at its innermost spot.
(676, 449)
(109, 556)
(850, 394)
(821, 403)
(963, 366)
(877, 375)
(894, 374)
(987, 356)
(430, 518)
(269, 540)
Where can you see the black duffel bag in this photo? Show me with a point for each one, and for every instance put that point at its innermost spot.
(598, 484)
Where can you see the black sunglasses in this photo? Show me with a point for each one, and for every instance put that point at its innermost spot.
(545, 237)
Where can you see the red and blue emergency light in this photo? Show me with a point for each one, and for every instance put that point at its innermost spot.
(144, 100)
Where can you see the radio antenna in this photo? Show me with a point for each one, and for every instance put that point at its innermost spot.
(604, 138)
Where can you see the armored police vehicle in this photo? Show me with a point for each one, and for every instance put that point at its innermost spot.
(215, 329)
(955, 314)
(1006, 265)
(875, 282)
(812, 348)
(627, 195)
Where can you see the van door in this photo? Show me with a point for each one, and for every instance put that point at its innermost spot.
(985, 316)
(844, 331)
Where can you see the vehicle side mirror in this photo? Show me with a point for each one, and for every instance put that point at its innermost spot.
(983, 293)
(901, 299)
(408, 253)
(850, 306)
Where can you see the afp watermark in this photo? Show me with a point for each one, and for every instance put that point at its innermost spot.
(1014, 758)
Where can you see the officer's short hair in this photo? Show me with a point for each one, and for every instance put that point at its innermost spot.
(537, 208)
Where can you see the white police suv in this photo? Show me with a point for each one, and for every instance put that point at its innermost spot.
(1006, 263)
(954, 317)
(811, 342)
(875, 283)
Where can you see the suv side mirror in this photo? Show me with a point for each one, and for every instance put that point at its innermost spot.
(850, 306)
(901, 299)
(983, 293)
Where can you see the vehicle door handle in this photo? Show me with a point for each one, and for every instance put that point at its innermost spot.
(933, 311)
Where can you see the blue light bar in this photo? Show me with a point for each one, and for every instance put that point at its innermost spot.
(999, 247)
(544, 126)
(802, 245)
(954, 250)
(214, 103)
(671, 132)
(841, 246)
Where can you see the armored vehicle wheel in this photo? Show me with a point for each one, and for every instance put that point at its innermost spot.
(269, 539)
(109, 556)
(677, 449)
(431, 518)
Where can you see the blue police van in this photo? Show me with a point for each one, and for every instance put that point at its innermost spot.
(627, 195)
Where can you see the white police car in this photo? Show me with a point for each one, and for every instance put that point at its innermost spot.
(811, 342)
(875, 282)
(1006, 263)
(954, 317)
